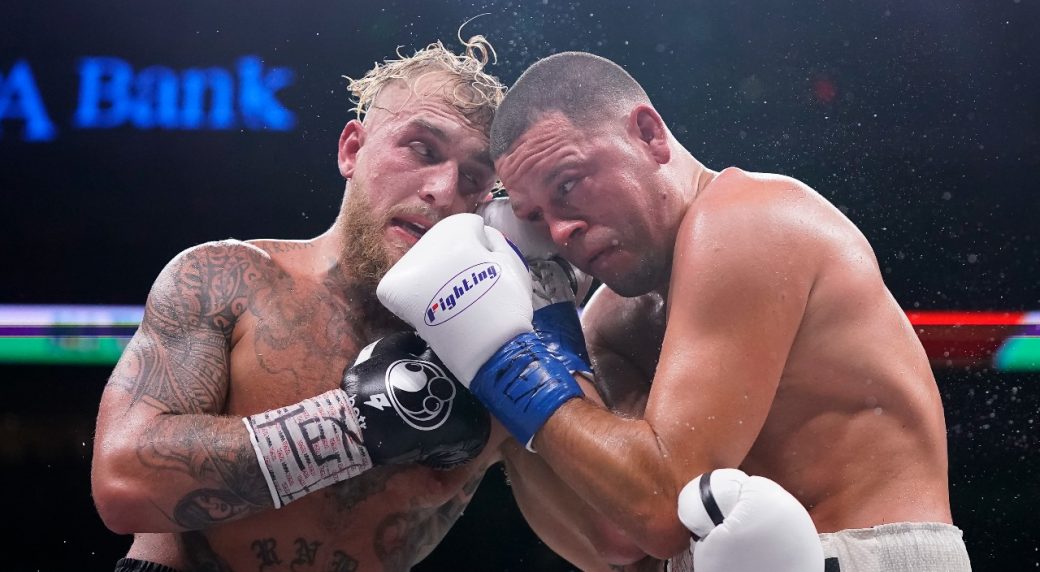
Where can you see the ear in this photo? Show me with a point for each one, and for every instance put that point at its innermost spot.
(350, 142)
(646, 124)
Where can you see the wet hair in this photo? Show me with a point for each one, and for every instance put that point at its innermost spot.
(580, 85)
(475, 94)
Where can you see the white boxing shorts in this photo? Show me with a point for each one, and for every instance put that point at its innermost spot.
(898, 547)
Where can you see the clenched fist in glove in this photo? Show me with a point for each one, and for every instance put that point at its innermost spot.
(556, 285)
(467, 292)
(397, 404)
(743, 524)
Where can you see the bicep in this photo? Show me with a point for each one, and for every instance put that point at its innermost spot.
(158, 380)
(733, 314)
(186, 372)
(178, 360)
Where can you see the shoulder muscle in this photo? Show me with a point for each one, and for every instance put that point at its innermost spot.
(177, 361)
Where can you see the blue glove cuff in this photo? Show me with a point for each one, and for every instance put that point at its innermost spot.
(559, 327)
(523, 385)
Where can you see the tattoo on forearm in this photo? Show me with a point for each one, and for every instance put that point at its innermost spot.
(206, 450)
(178, 364)
(393, 544)
(205, 507)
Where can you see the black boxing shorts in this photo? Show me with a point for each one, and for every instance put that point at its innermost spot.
(134, 565)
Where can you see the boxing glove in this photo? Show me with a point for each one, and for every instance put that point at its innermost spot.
(467, 292)
(396, 404)
(410, 408)
(740, 523)
(555, 285)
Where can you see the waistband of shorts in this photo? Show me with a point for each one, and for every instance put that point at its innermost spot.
(895, 528)
(135, 565)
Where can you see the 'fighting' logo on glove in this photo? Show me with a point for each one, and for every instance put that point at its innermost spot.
(471, 283)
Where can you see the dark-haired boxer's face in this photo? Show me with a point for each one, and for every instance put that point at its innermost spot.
(594, 189)
(414, 161)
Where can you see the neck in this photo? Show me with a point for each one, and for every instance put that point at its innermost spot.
(327, 254)
(372, 319)
(691, 177)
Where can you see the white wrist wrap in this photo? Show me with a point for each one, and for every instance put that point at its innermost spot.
(308, 445)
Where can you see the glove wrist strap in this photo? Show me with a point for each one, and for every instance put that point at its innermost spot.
(523, 385)
(308, 445)
(559, 327)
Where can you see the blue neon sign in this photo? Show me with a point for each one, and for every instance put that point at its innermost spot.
(113, 94)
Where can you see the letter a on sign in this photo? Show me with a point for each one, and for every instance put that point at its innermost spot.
(20, 99)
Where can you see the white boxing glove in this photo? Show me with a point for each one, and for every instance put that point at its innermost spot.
(555, 285)
(467, 292)
(743, 524)
(533, 241)
(464, 289)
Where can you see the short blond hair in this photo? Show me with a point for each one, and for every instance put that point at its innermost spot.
(475, 93)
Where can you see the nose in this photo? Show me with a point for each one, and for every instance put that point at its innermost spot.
(441, 187)
(564, 230)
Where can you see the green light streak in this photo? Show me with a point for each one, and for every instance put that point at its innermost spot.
(1019, 353)
(95, 350)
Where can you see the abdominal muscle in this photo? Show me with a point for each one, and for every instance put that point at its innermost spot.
(856, 431)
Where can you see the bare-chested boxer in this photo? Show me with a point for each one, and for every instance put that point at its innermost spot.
(231, 399)
(746, 325)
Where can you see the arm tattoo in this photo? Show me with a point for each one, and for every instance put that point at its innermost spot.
(204, 507)
(205, 449)
(187, 445)
(178, 360)
(178, 364)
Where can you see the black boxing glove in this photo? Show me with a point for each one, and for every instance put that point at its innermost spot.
(397, 404)
(411, 408)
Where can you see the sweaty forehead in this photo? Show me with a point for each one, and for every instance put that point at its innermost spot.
(552, 138)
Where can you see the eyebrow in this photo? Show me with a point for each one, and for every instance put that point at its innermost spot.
(433, 129)
(484, 157)
(556, 171)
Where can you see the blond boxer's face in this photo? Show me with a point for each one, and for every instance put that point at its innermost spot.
(414, 161)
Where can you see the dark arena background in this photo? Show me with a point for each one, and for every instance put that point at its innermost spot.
(920, 120)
